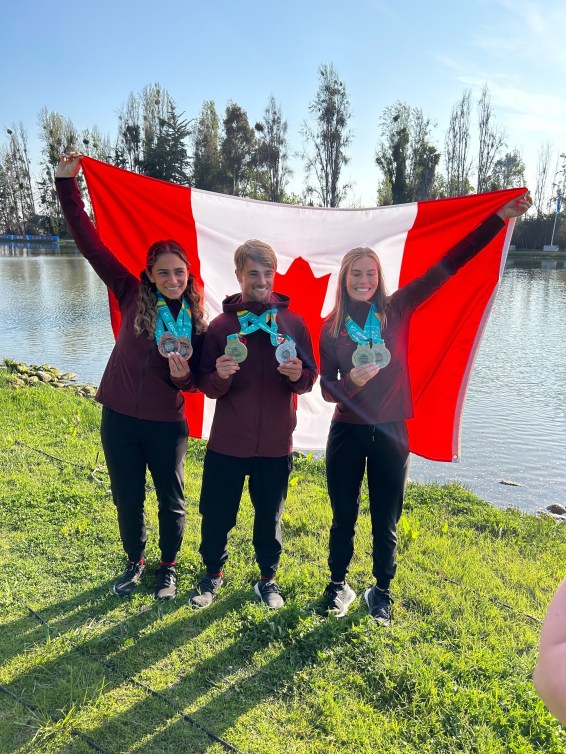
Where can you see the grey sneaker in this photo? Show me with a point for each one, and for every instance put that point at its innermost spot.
(379, 605)
(166, 583)
(205, 591)
(129, 580)
(338, 598)
(270, 594)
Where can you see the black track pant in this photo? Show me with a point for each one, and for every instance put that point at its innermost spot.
(222, 485)
(384, 447)
(130, 447)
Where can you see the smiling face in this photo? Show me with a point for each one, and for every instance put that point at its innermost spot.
(256, 281)
(362, 279)
(170, 275)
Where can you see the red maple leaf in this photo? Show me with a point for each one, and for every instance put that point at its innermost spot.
(307, 294)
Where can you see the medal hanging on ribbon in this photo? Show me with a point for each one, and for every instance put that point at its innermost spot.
(250, 323)
(236, 348)
(285, 350)
(371, 348)
(177, 338)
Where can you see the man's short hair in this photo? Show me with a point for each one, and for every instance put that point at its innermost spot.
(258, 251)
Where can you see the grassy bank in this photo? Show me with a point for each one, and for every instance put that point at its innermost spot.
(452, 674)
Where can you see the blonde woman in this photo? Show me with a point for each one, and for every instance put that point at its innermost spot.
(364, 370)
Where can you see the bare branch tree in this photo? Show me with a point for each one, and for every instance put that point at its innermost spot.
(328, 138)
(273, 152)
(17, 189)
(129, 141)
(492, 139)
(457, 146)
(541, 186)
(206, 149)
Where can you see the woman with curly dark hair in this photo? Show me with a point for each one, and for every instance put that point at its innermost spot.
(153, 361)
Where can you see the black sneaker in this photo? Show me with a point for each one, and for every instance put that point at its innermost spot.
(379, 605)
(129, 580)
(270, 594)
(338, 598)
(205, 591)
(166, 583)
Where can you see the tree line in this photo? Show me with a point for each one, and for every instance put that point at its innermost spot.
(228, 154)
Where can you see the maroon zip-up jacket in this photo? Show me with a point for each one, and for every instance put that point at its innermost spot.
(255, 412)
(387, 396)
(136, 381)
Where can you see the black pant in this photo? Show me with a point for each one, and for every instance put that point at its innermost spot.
(222, 485)
(130, 447)
(385, 448)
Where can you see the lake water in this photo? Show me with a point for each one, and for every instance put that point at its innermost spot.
(53, 309)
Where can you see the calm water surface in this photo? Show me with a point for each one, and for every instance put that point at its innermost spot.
(53, 309)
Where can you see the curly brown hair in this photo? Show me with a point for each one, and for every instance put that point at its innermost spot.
(146, 315)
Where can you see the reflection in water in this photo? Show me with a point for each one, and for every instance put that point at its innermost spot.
(514, 425)
(54, 310)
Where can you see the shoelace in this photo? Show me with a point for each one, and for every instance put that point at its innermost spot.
(270, 587)
(134, 568)
(207, 585)
(169, 577)
(333, 590)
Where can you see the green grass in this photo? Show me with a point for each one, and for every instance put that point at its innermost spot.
(452, 674)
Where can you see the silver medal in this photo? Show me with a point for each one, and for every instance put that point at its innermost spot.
(382, 354)
(285, 350)
(363, 355)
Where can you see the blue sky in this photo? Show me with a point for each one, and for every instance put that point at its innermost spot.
(83, 60)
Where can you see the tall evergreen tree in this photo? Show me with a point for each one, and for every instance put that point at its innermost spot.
(166, 156)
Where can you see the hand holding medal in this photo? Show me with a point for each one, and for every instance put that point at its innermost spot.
(363, 373)
(178, 366)
(292, 368)
(290, 365)
(226, 366)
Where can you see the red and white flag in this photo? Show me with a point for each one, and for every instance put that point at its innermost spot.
(133, 211)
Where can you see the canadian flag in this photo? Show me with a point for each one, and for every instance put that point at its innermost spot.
(133, 211)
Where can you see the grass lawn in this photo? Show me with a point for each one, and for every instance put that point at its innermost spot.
(452, 673)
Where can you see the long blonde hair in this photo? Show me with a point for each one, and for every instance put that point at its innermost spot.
(338, 314)
(146, 314)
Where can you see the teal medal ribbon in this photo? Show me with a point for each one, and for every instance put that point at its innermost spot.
(371, 332)
(371, 346)
(249, 323)
(173, 335)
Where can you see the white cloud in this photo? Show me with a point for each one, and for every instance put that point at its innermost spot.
(533, 34)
